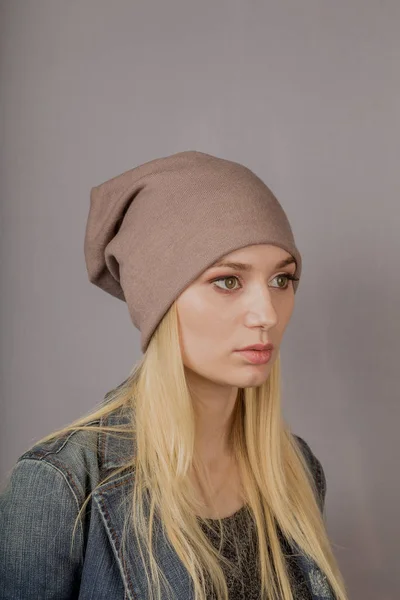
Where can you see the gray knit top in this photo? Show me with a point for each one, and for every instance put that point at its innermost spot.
(244, 582)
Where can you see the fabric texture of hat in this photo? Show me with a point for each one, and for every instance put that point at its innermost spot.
(154, 229)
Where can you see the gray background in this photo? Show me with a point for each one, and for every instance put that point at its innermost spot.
(304, 93)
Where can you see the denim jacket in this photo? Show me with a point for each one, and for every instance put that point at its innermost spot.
(40, 503)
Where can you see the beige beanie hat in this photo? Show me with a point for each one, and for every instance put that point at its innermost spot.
(154, 229)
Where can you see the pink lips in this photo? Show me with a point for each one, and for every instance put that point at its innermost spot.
(257, 357)
(258, 347)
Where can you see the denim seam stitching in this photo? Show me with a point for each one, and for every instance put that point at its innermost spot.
(69, 484)
(114, 535)
(63, 470)
(67, 439)
(41, 453)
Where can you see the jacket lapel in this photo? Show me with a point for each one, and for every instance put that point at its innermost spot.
(112, 500)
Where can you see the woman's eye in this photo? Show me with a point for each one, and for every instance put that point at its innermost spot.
(283, 276)
(232, 278)
(229, 278)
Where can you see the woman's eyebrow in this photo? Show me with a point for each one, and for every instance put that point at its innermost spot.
(246, 267)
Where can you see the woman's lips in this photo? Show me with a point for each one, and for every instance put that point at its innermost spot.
(257, 357)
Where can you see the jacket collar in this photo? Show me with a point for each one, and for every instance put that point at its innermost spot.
(114, 448)
(111, 496)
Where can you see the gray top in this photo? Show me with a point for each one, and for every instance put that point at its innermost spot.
(244, 582)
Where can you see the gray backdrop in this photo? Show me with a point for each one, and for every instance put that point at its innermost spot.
(304, 93)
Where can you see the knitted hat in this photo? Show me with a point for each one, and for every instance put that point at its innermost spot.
(152, 230)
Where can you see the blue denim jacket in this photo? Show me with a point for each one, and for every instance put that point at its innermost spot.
(44, 493)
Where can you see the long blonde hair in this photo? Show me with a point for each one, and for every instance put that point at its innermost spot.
(279, 486)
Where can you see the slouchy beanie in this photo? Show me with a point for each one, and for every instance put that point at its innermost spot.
(152, 230)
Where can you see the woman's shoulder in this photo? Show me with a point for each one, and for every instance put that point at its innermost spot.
(315, 467)
(42, 539)
(82, 456)
(72, 457)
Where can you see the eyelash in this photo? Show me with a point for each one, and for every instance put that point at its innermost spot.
(287, 275)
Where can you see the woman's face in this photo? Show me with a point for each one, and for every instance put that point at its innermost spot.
(216, 318)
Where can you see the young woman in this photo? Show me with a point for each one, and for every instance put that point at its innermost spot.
(185, 482)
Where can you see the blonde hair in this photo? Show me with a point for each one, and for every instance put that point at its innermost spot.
(279, 485)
